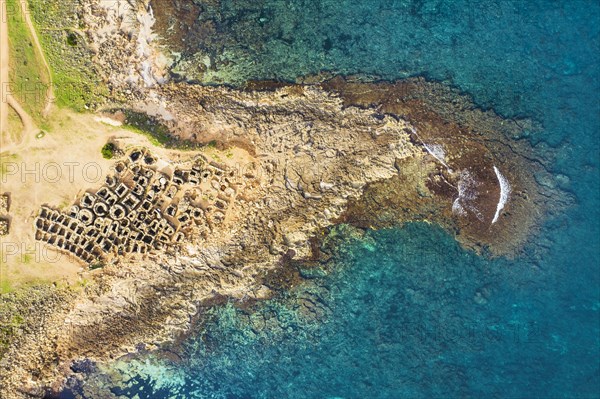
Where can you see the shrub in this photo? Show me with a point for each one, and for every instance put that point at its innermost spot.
(72, 39)
(108, 151)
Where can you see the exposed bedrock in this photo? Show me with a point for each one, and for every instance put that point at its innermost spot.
(480, 178)
(470, 170)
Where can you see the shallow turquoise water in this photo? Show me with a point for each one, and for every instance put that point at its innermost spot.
(404, 318)
(402, 322)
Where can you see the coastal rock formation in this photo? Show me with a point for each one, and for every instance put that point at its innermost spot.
(303, 158)
(481, 176)
(468, 152)
(312, 161)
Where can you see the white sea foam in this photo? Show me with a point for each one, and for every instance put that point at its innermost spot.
(435, 150)
(505, 190)
(457, 208)
(467, 195)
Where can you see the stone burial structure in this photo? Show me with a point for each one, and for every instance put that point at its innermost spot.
(140, 208)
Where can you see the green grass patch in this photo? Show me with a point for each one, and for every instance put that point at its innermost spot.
(97, 265)
(156, 138)
(26, 307)
(8, 165)
(5, 286)
(28, 77)
(141, 123)
(158, 134)
(15, 126)
(76, 79)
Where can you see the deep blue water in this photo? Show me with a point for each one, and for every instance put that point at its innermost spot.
(404, 319)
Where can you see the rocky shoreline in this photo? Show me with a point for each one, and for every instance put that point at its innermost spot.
(310, 156)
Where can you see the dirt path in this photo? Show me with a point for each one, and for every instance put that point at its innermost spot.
(38, 46)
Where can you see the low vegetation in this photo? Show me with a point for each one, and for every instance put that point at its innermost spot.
(27, 307)
(77, 82)
(28, 77)
(97, 265)
(158, 134)
(141, 123)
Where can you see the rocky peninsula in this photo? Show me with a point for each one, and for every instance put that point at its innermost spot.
(274, 165)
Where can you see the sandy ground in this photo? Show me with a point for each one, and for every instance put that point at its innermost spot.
(53, 170)
(47, 170)
(36, 170)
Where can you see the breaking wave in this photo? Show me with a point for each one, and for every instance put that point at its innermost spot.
(505, 190)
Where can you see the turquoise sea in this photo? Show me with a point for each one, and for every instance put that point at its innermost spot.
(409, 313)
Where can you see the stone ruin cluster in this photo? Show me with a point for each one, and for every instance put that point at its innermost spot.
(140, 208)
(4, 205)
